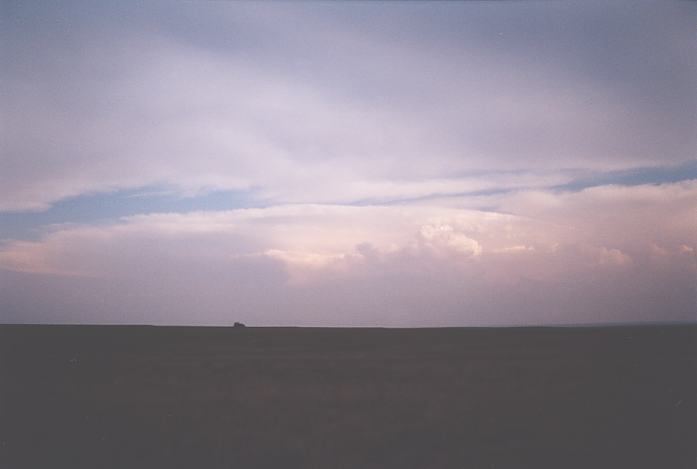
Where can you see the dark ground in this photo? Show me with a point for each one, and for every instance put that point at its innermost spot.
(146, 397)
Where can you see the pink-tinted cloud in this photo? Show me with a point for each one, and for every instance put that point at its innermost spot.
(603, 254)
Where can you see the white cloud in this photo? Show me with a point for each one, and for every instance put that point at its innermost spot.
(444, 238)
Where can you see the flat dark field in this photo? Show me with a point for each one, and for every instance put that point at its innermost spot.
(173, 397)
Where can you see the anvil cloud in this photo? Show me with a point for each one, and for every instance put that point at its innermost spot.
(371, 164)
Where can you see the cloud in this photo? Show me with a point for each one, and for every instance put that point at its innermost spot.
(412, 164)
(559, 258)
(341, 109)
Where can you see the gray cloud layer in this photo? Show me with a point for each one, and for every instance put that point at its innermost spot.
(347, 100)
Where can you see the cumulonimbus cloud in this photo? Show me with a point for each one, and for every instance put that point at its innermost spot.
(410, 158)
(555, 257)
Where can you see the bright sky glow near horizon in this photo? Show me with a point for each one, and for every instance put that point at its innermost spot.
(348, 164)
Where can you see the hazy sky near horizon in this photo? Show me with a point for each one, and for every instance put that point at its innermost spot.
(348, 164)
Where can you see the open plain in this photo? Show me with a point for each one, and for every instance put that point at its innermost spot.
(177, 397)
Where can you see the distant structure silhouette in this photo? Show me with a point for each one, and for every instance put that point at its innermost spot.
(238, 324)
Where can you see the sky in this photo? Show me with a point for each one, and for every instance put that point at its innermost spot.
(348, 164)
